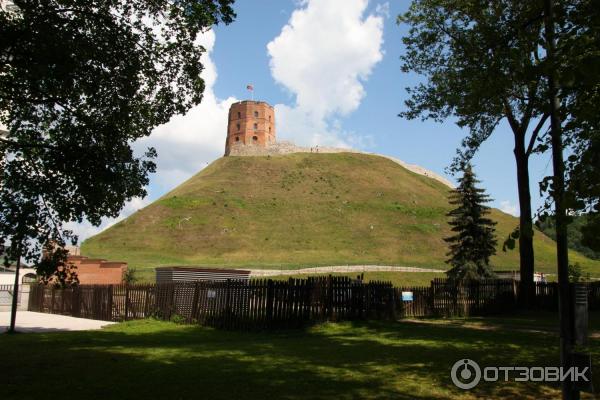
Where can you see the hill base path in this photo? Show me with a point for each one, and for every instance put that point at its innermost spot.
(338, 269)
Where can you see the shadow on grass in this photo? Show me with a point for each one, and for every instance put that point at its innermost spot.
(149, 359)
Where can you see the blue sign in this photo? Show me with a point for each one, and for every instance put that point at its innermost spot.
(407, 296)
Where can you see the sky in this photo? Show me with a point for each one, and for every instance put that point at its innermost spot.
(331, 69)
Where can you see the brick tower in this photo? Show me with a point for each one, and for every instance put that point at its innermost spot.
(250, 123)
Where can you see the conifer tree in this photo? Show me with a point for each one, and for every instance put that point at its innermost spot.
(474, 239)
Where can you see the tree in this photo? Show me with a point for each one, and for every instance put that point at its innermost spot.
(53, 268)
(80, 82)
(474, 239)
(482, 62)
(578, 50)
(547, 224)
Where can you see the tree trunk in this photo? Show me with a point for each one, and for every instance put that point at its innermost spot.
(526, 267)
(558, 192)
(15, 299)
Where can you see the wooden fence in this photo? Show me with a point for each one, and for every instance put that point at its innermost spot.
(274, 304)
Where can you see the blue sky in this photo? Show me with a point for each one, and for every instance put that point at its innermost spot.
(331, 68)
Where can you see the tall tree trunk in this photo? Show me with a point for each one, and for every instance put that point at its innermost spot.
(558, 193)
(526, 267)
(15, 299)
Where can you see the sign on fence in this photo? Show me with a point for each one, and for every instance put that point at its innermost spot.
(407, 296)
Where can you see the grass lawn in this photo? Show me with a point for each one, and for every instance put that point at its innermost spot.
(401, 360)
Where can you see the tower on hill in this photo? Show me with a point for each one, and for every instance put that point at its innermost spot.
(250, 123)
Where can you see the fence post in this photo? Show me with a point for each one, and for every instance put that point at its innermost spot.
(110, 304)
(514, 291)
(126, 302)
(52, 304)
(195, 302)
(226, 320)
(75, 302)
(329, 304)
(270, 299)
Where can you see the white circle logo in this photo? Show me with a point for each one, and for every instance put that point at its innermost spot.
(465, 374)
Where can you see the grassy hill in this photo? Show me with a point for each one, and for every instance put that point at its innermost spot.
(301, 210)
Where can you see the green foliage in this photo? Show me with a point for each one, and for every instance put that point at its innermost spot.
(473, 241)
(130, 276)
(510, 241)
(482, 63)
(53, 269)
(177, 318)
(591, 232)
(578, 65)
(79, 82)
(576, 274)
(575, 233)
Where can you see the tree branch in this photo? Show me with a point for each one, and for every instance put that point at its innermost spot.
(514, 124)
(529, 108)
(535, 133)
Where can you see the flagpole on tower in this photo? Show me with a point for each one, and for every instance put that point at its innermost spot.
(250, 88)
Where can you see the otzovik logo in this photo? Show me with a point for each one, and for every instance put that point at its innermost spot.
(465, 374)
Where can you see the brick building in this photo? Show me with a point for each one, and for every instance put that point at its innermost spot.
(92, 271)
(250, 123)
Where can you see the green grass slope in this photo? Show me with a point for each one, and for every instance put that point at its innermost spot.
(300, 210)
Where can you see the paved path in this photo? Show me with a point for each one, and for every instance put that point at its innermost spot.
(28, 321)
(338, 269)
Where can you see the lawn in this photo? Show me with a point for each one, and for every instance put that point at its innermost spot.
(402, 360)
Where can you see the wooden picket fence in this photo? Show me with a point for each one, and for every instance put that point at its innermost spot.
(266, 303)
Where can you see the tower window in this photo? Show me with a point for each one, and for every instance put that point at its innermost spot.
(269, 118)
(239, 115)
(255, 114)
(237, 138)
(238, 127)
(255, 126)
(269, 129)
(255, 138)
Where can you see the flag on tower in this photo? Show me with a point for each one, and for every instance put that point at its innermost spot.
(250, 87)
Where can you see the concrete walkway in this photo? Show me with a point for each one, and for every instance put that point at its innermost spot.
(338, 269)
(28, 321)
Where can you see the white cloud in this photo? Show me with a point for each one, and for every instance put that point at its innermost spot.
(185, 145)
(322, 57)
(509, 208)
(187, 142)
(383, 9)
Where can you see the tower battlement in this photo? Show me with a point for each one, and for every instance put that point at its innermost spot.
(250, 123)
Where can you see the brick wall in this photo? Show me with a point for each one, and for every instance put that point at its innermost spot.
(250, 123)
(95, 271)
